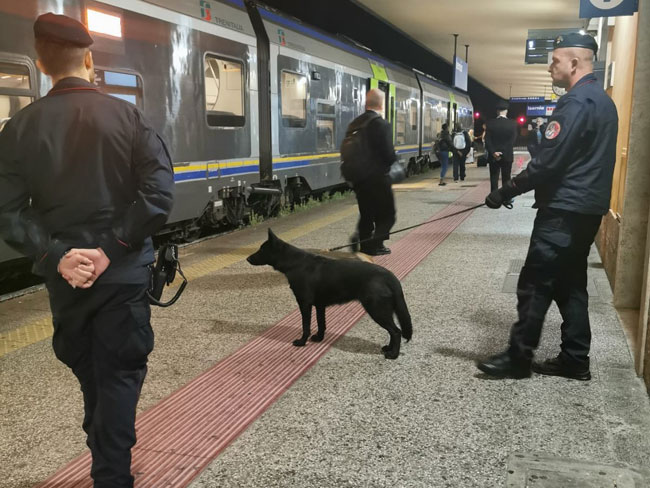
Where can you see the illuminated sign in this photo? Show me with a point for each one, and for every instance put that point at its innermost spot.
(103, 23)
(460, 73)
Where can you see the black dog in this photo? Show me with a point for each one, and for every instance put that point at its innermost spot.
(320, 281)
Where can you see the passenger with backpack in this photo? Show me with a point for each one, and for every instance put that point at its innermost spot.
(442, 147)
(367, 153)
(462, 146)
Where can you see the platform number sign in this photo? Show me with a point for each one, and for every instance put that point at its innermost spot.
(607, 8)
(205, 10)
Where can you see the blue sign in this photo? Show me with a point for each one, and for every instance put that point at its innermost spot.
(526, 99)
(590, 9)
(540, 110)
(460, 73)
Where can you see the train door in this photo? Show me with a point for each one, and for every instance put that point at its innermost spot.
(452, 115)
(380, 81)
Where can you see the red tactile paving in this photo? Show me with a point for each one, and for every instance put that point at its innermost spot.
(183, 433)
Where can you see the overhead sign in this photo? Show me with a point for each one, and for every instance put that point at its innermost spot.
(526, 99)
(590, 9)
(460, 73)
(539, 110)
(537, 50)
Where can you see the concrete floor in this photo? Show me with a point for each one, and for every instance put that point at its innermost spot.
(428, 419)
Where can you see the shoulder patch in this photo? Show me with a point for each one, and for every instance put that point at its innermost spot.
(553, 130)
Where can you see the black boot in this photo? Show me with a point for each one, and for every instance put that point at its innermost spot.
(559, 367)
(354, 243)
(505, 366)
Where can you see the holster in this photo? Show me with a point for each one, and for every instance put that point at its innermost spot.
(163, 273)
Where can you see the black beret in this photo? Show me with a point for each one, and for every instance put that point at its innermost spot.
(502, 105)
(576, 39)
(63, 29)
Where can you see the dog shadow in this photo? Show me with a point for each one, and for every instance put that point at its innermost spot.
(287, 334)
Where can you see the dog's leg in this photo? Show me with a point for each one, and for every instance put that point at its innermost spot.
(320, 318)
(381, 311)
(305, 311)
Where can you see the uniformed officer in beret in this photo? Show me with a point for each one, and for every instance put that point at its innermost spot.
(84, 182)
(572, 179)
(500, 136)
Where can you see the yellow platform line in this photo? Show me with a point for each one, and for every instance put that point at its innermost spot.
(42, 328)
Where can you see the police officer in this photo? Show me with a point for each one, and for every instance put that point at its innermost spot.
(572, 179)
(500, 136)
(84, 182)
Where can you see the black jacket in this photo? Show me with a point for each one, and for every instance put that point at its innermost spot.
(82, 169)
(379, 136)
(500, 135)
(574, 167)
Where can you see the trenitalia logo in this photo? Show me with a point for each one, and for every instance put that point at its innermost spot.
(205, 10)
(283, 41)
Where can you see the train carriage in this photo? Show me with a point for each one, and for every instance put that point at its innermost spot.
(240, 142)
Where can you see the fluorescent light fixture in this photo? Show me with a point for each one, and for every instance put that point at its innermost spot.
(104, 23)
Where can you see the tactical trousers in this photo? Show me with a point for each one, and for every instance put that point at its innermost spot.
(496, 167)
(556, 269)
(104, 335)
(376, 210)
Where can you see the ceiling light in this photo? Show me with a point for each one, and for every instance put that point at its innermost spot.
(103, 23)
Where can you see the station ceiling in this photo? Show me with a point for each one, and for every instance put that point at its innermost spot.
(496, 31)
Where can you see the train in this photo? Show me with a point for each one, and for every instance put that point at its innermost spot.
(252, 103)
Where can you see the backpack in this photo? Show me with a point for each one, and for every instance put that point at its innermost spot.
(355, 153)
(459, 141)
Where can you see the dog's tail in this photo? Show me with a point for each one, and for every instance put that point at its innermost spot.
(401, 310)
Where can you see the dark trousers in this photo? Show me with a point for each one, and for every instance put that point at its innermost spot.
(459, 166)
(104, 335)
(376, 211)
(496, 167)
(556, 269)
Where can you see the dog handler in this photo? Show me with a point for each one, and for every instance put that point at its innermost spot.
(84, 183)
(572, 179)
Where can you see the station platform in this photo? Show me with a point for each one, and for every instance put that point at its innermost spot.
(230, 402)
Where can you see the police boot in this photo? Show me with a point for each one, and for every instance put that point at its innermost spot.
(565, 368)
(504, 365)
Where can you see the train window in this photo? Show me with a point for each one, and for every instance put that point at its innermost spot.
(294, 99)
(325, 122)
(427, 116)
(414, 115)
(325, 133)
(125, 86)
(400, 126)
(15, 90)
(224, 92)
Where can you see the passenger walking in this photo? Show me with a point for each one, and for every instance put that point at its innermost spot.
(462, 146)
(443, 146)
(373, 188)
(500, 135)
(572, 179)
(84, 183)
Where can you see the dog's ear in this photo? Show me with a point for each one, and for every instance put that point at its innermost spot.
(272, 236)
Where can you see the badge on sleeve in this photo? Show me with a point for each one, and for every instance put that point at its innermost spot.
(553, 130)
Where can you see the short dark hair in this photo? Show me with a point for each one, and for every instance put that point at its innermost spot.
(444, 126)
(59, 58)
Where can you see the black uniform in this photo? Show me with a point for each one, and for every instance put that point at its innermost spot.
(80, 169)
(500, 136)
(572, 178)
(374, 194)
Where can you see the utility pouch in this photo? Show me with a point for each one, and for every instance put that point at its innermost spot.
(163, 273)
